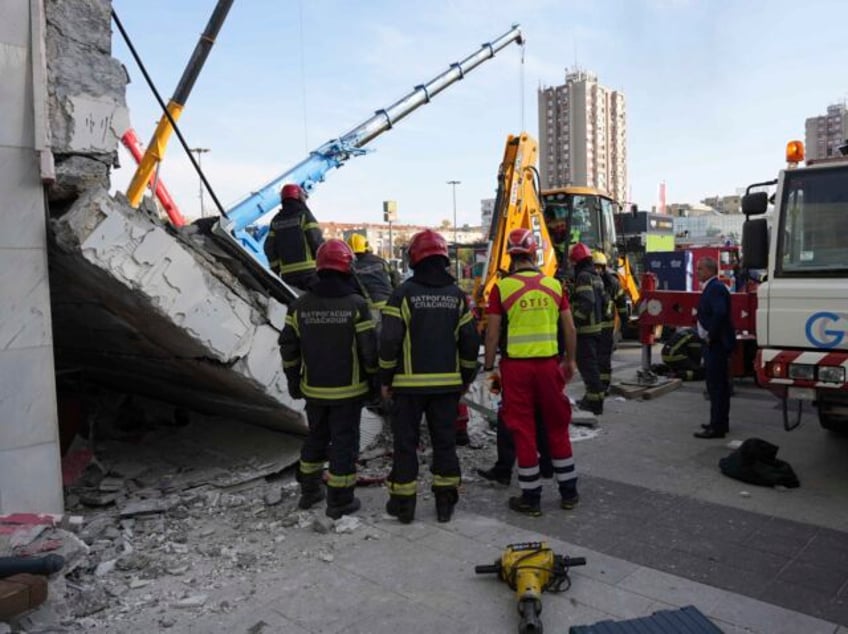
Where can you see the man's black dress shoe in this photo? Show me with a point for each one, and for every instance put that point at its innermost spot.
(709, 432)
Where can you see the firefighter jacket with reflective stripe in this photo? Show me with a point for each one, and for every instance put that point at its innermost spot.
(429, 342)
(293, 239)
(374, 274)
(684, 350)
(617, 300)
(588, 300)
(531, 305)
(329, 343)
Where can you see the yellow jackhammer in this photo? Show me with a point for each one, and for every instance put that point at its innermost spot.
(531, 568)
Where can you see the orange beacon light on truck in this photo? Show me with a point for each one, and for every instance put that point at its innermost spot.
(794, 152)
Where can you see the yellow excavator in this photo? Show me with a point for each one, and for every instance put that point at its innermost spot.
(557, 217)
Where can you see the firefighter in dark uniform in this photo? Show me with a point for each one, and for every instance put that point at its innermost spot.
(329, 351)
(682, 354)
(428, 358)
(374, 272)
(588, 302)
(293, 240)
(616, 304)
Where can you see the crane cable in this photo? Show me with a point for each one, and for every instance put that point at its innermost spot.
(303, 78)
(521, 75)
(162, 105)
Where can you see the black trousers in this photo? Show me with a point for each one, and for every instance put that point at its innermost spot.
(440, 412)
(605, 345)
(587, 363)
(334, 435)
(718, 386)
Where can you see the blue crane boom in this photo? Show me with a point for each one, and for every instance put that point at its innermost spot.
(239, 224)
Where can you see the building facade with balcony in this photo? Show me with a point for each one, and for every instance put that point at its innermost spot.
(583, 135)
(824, 134)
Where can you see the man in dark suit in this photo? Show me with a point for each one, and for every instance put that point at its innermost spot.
(716, 329)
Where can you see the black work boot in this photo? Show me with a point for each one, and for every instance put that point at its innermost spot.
(401, 507)
(446, 499)
(341, 502)
(528, 504)
(496, 474)
(596, 407)
(568, 494)
(311, 489)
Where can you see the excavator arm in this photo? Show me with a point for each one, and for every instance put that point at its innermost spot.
(517, 205)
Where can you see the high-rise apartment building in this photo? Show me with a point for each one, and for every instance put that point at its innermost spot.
(487, 212)
(825, 134)
(583, 135)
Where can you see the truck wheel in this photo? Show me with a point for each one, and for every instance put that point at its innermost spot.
(833, 416)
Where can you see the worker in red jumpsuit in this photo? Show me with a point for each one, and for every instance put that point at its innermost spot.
(525, 312)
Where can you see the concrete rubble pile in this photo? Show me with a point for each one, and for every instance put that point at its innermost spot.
(170, 513)
(154, 539)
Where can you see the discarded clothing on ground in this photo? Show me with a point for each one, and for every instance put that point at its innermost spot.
(755, 461)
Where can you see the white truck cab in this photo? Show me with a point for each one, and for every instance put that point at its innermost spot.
(802, 312)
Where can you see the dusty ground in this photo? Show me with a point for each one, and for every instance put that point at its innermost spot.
(169, 519)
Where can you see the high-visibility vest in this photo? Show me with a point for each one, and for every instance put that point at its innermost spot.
(531, 301)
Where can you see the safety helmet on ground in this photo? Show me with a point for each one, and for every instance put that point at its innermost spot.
(599, 258)
(291, 191)
(579, 252)
(521, 242)
(358, 243)
(334, 255)
(425, 244)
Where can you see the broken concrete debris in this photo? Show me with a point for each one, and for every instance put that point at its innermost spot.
(161, 560)
(164, 524)
(126, 288)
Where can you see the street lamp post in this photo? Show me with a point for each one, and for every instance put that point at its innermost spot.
(390, 215)
(453, 184)
(199, 151)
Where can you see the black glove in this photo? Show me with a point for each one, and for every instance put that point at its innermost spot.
(294, 386)
(373, 387)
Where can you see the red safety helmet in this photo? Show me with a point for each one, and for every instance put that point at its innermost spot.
(291, 191)
(579, 252)
(334, 255)
(424, 244)
(521, 242)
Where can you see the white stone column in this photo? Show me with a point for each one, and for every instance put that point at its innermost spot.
(30, 470)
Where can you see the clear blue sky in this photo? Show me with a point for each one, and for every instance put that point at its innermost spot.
(714, 89)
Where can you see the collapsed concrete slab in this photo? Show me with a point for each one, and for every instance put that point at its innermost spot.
(87, 110)
(139, 308)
